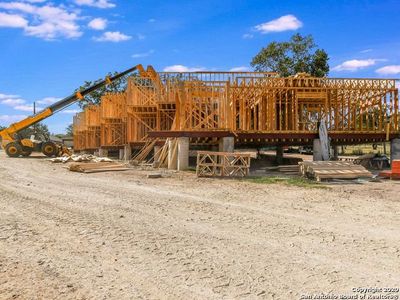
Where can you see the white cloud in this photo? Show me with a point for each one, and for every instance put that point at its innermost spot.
(8, 119)
(181, 68)
(48, 22)
(48, 100)
(17, 103)
(98, 24)
(113, 36)
(12, 101)
(151, 20)
(389, 70)
(35, 1)
(144, 54)
(70, 111)
(284, 23)
(96, 3)
(27, 107)
(12, 20)
(247, 36)
(5, 96)
(366, 51)
(356, 64)
(240, 69)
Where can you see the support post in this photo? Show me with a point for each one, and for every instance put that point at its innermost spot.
(226, 144)
(183, 153)
(317, 150)
(394, 149)
(103, 152)
(172, 161)
(121, 154)
(279, 155)
(335, 152)
(127, 152)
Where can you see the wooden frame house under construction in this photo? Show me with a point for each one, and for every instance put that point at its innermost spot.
(252, 108)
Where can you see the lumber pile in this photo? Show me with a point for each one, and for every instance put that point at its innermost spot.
(97, 167)
(289, 169)
(323, 170)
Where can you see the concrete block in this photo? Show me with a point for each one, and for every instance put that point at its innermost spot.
(183, 154)
(317, 150)
(226, 144)
(103, 152)
(127, 152)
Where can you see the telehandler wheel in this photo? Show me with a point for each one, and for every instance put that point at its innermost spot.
(49, 149)
(13, 149)
(26, 153)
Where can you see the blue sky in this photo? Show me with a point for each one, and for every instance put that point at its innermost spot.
(49, 48)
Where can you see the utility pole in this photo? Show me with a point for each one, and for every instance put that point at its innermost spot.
(34, 113)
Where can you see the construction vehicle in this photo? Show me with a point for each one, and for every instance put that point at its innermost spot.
(15, 146)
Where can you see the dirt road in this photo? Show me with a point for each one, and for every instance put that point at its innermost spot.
(67, 235)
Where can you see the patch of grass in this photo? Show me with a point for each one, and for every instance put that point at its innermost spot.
(292, 181)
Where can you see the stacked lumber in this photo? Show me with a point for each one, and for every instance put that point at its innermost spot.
(320, 170)
(97, 167)
(289, 169)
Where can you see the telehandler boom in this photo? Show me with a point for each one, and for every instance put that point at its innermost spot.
(16, 146)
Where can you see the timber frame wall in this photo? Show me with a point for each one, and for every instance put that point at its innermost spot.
(253, 107)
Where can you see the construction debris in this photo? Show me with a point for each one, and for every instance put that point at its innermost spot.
(80, 158)
(97, 167)
(320, 170)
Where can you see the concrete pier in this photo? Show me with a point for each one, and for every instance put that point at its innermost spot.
(103, 152)
(183, 153)
(226, 144)
(317, 150)
(127, 152)
(279, 155)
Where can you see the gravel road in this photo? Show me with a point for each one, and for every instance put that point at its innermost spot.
(67, 235)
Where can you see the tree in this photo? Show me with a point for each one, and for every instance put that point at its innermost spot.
(95, 96)
(69, 130)
(290, 58)
(2, 128)
(41, 130)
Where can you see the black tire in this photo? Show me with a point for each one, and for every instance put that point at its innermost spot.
(49, 149)
(13, 149)
(26, 152)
